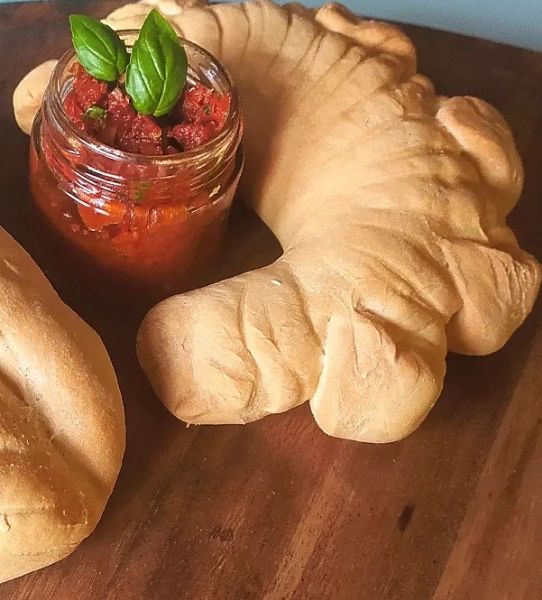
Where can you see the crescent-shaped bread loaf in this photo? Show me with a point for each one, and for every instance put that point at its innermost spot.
(390, 203)
(62, 430)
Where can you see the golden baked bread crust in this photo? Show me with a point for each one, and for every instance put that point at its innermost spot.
(390, 204)
(62, 430)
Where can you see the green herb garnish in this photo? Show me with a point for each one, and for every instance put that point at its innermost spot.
(156, 74)
(141, 189)
(155, 71)
(99, 49)
(96, 112)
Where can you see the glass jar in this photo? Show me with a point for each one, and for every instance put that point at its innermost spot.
(152, 220)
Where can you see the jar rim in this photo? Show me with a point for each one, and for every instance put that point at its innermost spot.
(182, 158)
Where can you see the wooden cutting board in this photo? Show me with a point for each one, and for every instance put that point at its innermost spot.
(276, 510)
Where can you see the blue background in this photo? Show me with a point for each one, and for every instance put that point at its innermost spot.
(517, 22)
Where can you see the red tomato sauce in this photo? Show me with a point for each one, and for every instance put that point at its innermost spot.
(152, 227)
(106, 114)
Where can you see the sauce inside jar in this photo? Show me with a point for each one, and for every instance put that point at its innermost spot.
(104, 111)
(145, 199)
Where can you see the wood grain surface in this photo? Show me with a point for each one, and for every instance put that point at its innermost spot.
(276, 510)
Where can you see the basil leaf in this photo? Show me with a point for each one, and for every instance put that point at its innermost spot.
(156, 75)
(99, 49)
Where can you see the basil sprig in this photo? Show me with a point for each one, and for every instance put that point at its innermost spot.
(155, 71)
(99, 49)
(156, 75)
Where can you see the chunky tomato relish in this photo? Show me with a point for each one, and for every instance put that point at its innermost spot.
(157, 217)
(105, 112)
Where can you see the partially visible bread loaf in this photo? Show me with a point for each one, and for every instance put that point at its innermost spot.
(62, 430)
